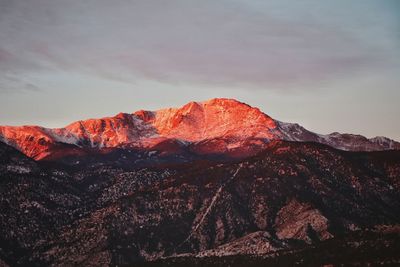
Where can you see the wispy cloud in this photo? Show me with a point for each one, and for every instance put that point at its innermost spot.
(237, 43)
(12, 84)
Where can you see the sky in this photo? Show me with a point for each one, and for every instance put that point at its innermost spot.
(327, 65)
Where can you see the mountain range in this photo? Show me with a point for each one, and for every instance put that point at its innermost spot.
(215, 183)
(223, 127)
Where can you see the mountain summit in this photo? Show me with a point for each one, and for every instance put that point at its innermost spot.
(217, 126)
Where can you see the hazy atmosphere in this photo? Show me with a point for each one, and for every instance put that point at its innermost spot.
(328, 65)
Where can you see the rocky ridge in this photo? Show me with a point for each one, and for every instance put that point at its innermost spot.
(215, 127)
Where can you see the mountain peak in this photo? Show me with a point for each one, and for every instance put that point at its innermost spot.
(229, 103)
(222, 100)
(218, 117)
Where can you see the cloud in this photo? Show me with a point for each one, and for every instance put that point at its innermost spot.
(229, 43)
(10, 84)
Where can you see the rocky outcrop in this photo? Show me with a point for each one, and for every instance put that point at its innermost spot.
(257, 243)
(300, 221)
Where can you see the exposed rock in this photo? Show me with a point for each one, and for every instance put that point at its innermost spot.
(255, 243)
(300, 221)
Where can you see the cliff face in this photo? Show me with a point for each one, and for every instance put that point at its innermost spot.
(287, 198)
(216, 127)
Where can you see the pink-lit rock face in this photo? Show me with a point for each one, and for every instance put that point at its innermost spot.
(33, 141)
(212, 119)
(194, 122)
(217, 126)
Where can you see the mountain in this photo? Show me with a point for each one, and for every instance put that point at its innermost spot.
(216, 183)
(216, 127)
(294, 203)
(348, 142)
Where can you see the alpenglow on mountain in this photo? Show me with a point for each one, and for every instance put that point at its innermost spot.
(214, 183)
(215, 127)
